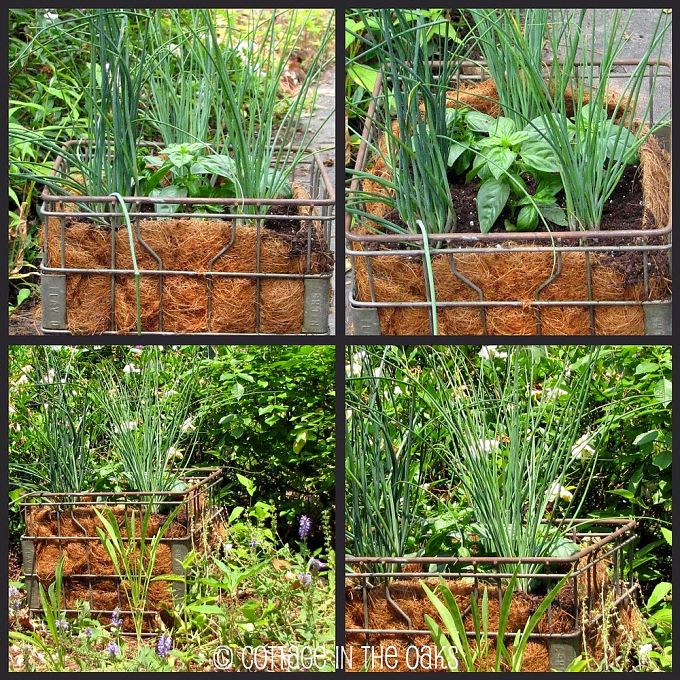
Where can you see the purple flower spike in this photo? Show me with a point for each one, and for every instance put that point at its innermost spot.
(305, 526)
(305, 579)
(164, 645)
(113, 649)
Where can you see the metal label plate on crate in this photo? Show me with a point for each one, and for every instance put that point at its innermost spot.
(316, 306)
(366, 321)
(53, 294)
(562, 653)
(658, 318)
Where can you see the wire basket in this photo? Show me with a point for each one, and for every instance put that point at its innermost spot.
(541, 314)
(607, 546)
(65, 524)
(253, 284)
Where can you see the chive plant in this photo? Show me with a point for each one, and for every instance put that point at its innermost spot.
(385, 458)
(266, 145)
(63, 430)
(178, 104)
(418, 60)
(148, 420)
(111, 85)
(594, 143)
(491, 28)
(512, 451)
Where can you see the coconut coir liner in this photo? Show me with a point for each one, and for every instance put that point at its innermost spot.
(412, 600)
(187, 245)
(89, 557)
(509, 276)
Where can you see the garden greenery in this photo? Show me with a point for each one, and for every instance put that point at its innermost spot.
(150, 424)
(562, 138)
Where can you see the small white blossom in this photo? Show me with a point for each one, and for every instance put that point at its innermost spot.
(485, 446)
(125, 427)
(644, 651)
(174, 453)
(378, 373)
(348, 414)
(492, 352)
(51, 16)
(48, 378)
(188, 425)
(397, 391)
(131, 368)
(559, 491)
(22, 380)
(582, 450)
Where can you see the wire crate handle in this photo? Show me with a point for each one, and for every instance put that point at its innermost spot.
(128, 224)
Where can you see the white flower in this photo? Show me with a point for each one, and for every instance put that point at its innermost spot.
(136, 350)
(397, 391)
(174, 49)
(582, 450)
(171, 393)
(51, 16)
(125, 427)
(555, 392)
(378, 373)
(22, 380)
(49, 377)
(492, 352)
(644, 651)
(348, 414)
(485, 446)
(558, 491)
(174, 453)
(354, 367)
(131, 368)
(188, 425)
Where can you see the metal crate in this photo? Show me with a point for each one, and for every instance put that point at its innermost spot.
(197, 509)
(364, 313)
(610, 539)
(104, 209)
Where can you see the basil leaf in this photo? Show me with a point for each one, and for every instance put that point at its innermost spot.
(492, 196)
(537, 153)
(499, 160)
(554, 214)
(527, 218)
(477, 121)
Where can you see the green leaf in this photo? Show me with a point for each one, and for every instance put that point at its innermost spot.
(491, 199)
(236, 513)
(217, 164)
(499, 160)
(646, 367)
(364, 76)
(668, 535)
(554, 214)
(502, 127)
(455, 151)
(300, 441)
(527, 218)
(171, 191)
(663, 391)
(538, 154)
(659, 593)
(645, 438)
(662, 460)
(478, 122)
(247, 483)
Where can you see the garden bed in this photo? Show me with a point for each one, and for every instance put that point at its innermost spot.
(394, 616)
(199, 272)
(66, 525)
(613, 281)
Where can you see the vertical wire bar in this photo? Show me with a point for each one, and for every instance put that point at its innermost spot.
(589, 286)
(258, 290)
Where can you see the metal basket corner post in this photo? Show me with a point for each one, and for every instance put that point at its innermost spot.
(608, 546)
(367, 247)
(104, 210)
(196, 511)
